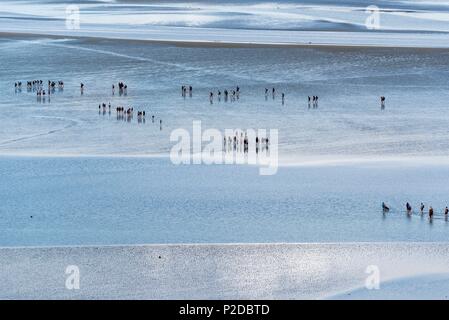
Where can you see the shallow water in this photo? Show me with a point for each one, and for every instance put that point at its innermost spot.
(81, 201)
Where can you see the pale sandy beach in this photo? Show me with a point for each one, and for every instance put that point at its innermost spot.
(217, 37)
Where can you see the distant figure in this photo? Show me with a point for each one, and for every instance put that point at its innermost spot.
(408, 207)
(385, 208)
(446, 211)
(382, 102)
(430, 212)
(422, 208)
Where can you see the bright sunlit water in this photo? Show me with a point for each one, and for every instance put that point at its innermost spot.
(126, 201)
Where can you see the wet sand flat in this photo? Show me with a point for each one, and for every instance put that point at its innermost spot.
(216, 271)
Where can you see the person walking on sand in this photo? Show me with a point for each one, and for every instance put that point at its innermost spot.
(408, 207)
(422, 208)
(385, 208)
(430, 212)
(446, 211)
(382, 103)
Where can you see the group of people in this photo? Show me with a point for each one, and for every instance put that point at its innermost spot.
(126, 114)
(40, 91)
(184, 91)
(422, 208)
(232, 95)
(103, 106)
(122, 88)
(38, 87)
(33, 84)
(240, 143)
(273, 94)
(52, 84)
(312, 101)
(36, 84)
